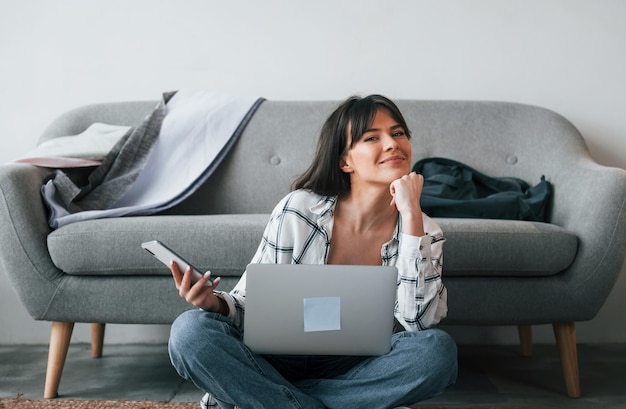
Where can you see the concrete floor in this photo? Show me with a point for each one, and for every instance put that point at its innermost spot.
(493, 376)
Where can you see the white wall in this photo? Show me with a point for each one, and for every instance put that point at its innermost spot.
(566, 55)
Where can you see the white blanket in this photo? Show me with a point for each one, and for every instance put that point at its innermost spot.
(85, 149)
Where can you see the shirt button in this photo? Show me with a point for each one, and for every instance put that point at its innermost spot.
(421, 247)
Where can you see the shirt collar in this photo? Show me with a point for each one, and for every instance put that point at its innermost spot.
(396, 233)
(325, 206)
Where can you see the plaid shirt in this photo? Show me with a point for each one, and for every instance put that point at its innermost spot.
(299, 232)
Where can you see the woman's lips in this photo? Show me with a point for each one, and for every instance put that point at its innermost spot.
(393, 159)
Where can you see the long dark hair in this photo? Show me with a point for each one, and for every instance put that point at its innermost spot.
(324, 176)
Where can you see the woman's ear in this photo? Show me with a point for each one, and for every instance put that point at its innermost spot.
(345, 167)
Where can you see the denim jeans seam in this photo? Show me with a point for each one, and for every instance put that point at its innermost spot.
(253, 361)
(292, 398)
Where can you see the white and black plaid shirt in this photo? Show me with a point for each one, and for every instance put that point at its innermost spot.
(299, 232)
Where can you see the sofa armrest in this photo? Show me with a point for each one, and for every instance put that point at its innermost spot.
(590, 200)
(23, 238)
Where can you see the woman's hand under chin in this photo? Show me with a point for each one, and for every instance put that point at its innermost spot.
(406, 192)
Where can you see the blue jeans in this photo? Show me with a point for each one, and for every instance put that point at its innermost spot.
(207, 349)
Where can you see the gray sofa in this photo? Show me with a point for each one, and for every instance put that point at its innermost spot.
(498, 272)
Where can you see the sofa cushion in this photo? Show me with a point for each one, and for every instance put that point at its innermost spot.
(489, 247)
(225, 244)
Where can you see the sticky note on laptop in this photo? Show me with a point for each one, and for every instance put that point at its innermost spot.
(322, 314)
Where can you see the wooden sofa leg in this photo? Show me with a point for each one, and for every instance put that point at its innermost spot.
(60, 336)
(565, 334)
(97, 339)
(526, 339)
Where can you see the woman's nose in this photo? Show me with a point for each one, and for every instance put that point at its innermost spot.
(389, 142)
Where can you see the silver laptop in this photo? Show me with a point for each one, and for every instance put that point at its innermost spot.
(319, 309)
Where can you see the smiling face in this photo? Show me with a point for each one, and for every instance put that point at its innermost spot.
(381, 155)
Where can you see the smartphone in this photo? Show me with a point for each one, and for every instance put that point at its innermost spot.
(166, 255)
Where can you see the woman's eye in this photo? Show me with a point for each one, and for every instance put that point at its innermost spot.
(398, 134)
(370, 139)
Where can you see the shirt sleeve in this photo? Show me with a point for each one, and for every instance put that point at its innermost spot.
(267, 252)
(236, 301)
(422, 296)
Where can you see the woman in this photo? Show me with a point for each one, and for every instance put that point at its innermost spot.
(356, 204)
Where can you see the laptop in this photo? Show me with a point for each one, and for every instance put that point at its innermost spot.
(299, 309)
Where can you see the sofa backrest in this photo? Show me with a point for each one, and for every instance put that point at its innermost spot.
(496, 138)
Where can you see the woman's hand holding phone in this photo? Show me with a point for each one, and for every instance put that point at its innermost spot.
(191, 284)
(199, 294)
